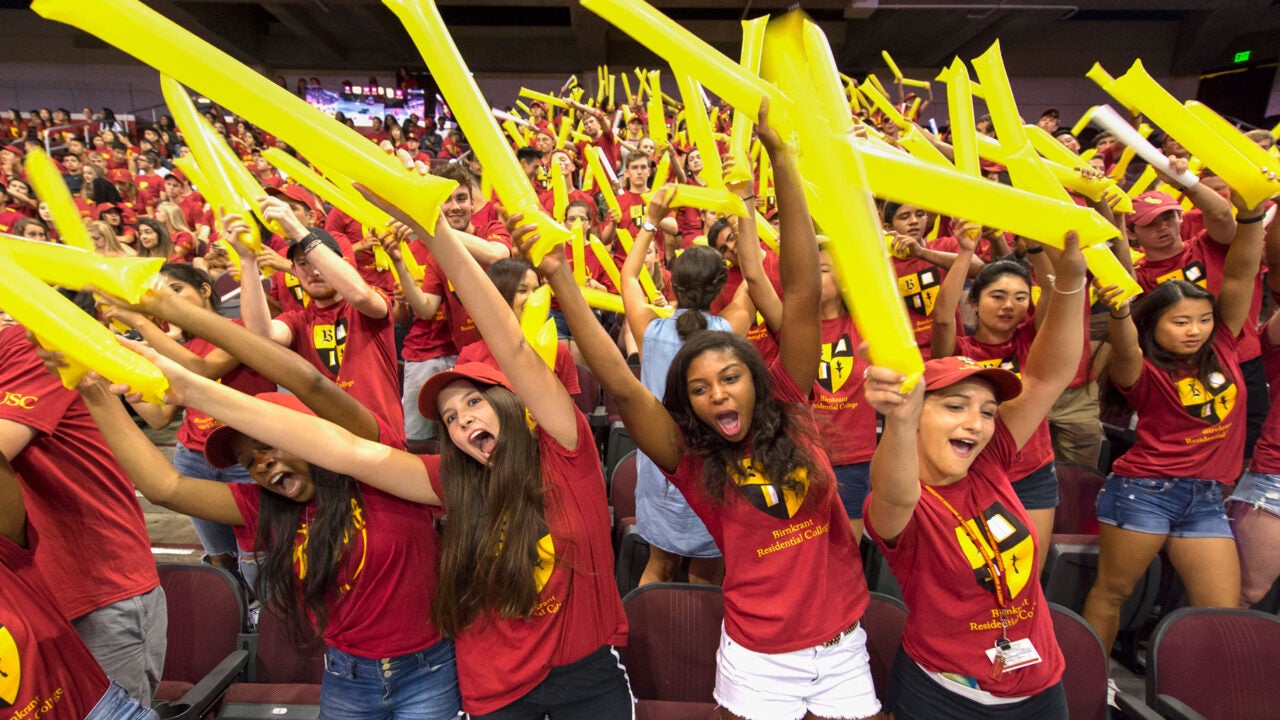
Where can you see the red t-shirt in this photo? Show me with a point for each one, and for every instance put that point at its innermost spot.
(461, 327)
(357, 352)
(381, 605)
(578, 609)
(1187, 430)
(46, 663)
(759, 333)
(566, 369)
(287, 291)
(1012, 356)
(954, 610)
(605, 141)
(771, 539)
(196, 425)
(149, 187)
(846, 420)
(1266, 453)
(8, 218)
(427, 339)
(193, 210)
(348, 231)
(1201, 262)
(94, 548)
(918, 283)
(633, 209)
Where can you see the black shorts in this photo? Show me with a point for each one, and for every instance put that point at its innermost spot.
(593, 688)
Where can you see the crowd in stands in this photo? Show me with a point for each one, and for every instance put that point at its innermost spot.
(385, 456)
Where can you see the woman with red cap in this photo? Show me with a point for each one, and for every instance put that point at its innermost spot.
(979, 640)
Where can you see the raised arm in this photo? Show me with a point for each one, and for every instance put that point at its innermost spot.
(751, 263)
(1215, 208)
(895, 467)
(151, 472)
(801, 333)
(638, 312)
(424, 304)
(943, 340)
(336, 271)
(1055, 353)
(648, 421)
(1240, 269)
(254, 310)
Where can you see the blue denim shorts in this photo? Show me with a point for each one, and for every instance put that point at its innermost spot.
(117, 705)
(1178, 507)
(1260, 490)
(418, 686)
(1039, 490)
(853, 482)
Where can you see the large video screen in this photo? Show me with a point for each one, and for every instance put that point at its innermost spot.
(363, 103)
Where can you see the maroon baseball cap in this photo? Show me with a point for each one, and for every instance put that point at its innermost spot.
(1150, 205)
(296, 193)
(217, 448)
(474, 371)
(14, 148)
(119, 175)
(945, 372)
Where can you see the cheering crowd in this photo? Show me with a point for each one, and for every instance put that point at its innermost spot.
(369, 441)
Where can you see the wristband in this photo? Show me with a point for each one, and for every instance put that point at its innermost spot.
(1250, 221)
(1128, 312)
(1054, 284)
(1034, 250)
(310, 242)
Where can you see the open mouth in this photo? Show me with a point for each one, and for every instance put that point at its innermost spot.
(963, 448)
(729, 423)
(483, 440)
(285, 483)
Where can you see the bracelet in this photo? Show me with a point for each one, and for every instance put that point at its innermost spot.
(1252, 220)
(310, 242)
(1083, 282)
(1033, 251)
(1129, 311)
(1188, 187)
(748, 198)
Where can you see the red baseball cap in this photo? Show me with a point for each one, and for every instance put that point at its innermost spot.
(106, 207)
(475, 371)
(296, 193)
(14, 148)
(1150, 205)
(119, 175)
(178, 175)
(945, 372)
(217, 448)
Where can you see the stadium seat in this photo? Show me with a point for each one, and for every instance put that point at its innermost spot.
(1085, 679)
(622, 493)
(1215, 663)
(670, 654)
(206, 612)
(284, 682)
(884, 621)
(1078, 487)
(589, 398)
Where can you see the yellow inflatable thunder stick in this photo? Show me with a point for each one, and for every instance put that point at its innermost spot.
(657, 112)
(538, 329)
(1207, 142)
(904, 81)
(964, 133)
(909, 136)
(150, 37)
(59, 325)
(848, 217)
(766, 231)
(646, 280)
(217, 187)
(577, 251)
(426, 27)
(1127, 155)
(49, 186)
(1083, 122)
(660, 175)
(606, 261)
(700, 130)
(1065, 166)
(609, 302)
(549, 100)
(626, 88)
(740, 134)
(345, 198)
(596, 168)
(683, 49)
(1238, 140)
(73, 268)
(718, 199)
(559, 191)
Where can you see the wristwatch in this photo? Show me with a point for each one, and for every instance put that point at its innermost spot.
(647, 225)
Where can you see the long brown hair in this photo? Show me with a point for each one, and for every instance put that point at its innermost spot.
(489, 547)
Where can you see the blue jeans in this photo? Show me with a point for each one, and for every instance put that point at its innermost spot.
(217, 538)
(853, 483)
(1178, 507)
(417, 686)
(117, 705)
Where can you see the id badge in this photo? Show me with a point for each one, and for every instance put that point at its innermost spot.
(1019, 654)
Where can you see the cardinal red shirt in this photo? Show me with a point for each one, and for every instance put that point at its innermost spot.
(427, 339)
(918, 284)
(785, 553)
(461, 327)
(94, 546)
(845, 419)
(196, 425)
(357, 352)
(633, 209)
(1187, 429)
(566, 369)
(578, 609)
(45, 669)
(348, 231)
(947, 585)
(381, 603)
(1266, 454)
(1201, 262)
(1012, 356)
(759, 333)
